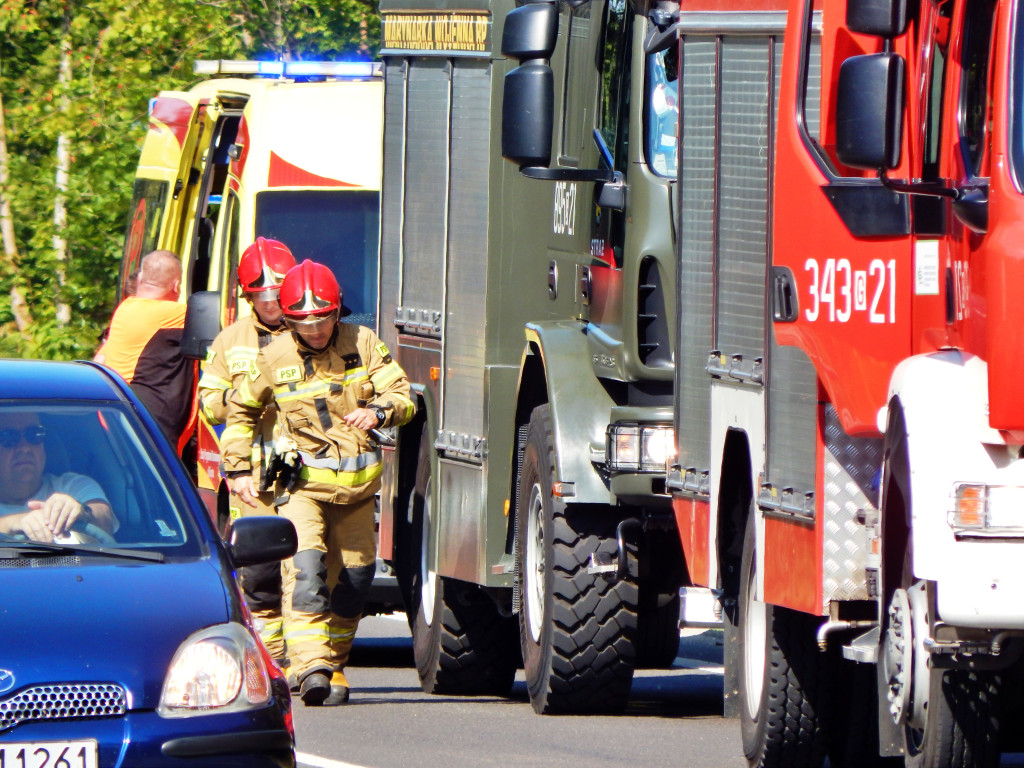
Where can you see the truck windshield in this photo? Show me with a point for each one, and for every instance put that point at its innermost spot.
(335, 227)
(661, 115)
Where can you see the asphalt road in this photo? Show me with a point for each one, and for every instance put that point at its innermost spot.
(673, 718)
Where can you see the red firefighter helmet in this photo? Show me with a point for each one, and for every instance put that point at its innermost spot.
(311, 289)
(263, 265)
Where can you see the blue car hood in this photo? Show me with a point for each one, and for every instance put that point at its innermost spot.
(104, 621)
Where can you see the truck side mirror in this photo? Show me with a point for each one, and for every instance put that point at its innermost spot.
(527, 114)
(869, 111)
(530, 32)
(882, 18)
(202, 323)
(528, 105)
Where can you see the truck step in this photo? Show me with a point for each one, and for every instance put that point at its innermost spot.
(863, 648)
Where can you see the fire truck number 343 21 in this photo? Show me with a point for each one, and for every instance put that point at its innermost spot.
(836, 291)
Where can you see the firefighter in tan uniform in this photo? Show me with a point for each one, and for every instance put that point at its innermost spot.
(332, 383)
(229, 362)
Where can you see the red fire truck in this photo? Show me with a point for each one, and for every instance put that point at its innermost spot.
(850, 436)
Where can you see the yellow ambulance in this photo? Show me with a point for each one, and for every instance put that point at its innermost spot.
(285, 150)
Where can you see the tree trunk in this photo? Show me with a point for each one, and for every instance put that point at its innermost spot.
(19, 307)
(60, 214)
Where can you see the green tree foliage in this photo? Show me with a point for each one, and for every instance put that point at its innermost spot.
(121, 54)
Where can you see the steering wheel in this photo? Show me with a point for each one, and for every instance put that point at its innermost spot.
(81, 533)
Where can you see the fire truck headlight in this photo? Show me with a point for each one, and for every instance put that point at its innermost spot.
(637, 448)
(986, 510)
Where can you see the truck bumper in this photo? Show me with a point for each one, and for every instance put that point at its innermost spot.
(983, 585)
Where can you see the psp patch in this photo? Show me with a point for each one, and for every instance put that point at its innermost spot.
(240, 366)
(285, 375)
(382, 350)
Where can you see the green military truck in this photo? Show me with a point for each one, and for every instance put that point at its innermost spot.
(525, 511)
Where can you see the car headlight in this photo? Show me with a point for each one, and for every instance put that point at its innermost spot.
(218, 669)
(986, 510)
(639, 448)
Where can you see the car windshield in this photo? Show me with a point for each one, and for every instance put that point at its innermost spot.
(338, 228)
(98, 455)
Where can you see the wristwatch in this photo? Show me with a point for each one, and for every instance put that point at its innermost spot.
(378, 412)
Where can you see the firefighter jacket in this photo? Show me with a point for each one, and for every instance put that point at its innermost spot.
(313, 390)
(230, 360)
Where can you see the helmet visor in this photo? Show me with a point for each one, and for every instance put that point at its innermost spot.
(267, 296)
(312, 323)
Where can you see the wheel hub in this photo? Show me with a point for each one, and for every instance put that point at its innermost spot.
(898, 656)
(755, 643)
(428, 578)
(534, 571)
(906, 661)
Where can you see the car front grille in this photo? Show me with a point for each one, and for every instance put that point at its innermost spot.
(62, 702)
(35, 562)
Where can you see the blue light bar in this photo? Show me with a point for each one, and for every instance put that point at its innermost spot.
(275, 68)
(297, 69)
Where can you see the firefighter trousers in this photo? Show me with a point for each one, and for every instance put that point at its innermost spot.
(327, 581)
(261, 584)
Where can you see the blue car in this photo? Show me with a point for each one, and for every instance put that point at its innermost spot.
(124, 640)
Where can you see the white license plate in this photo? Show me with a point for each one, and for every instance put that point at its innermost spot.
(49, 754)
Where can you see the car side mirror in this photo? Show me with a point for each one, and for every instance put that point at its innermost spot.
(261, 539)
(869, 111)
(202, 324)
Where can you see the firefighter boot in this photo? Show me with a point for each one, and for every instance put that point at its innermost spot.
(315, 687)
(339, 690)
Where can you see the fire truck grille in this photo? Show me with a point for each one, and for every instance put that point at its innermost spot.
(62, 702)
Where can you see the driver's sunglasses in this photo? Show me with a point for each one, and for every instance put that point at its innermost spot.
(33, 435)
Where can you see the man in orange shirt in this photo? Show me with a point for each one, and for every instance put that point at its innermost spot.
(144, 347)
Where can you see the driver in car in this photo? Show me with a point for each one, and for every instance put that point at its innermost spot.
(40, 505)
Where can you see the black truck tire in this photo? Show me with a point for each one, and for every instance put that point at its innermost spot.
(577, 630)
(962, 728)
(462, 645)
(782, 677)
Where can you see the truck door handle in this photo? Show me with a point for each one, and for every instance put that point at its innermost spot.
(785, 307)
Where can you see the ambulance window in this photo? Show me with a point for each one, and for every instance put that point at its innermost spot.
(338, 228)
(974, 96)
(143, 229)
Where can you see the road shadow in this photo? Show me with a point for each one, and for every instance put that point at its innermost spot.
(387, 652)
